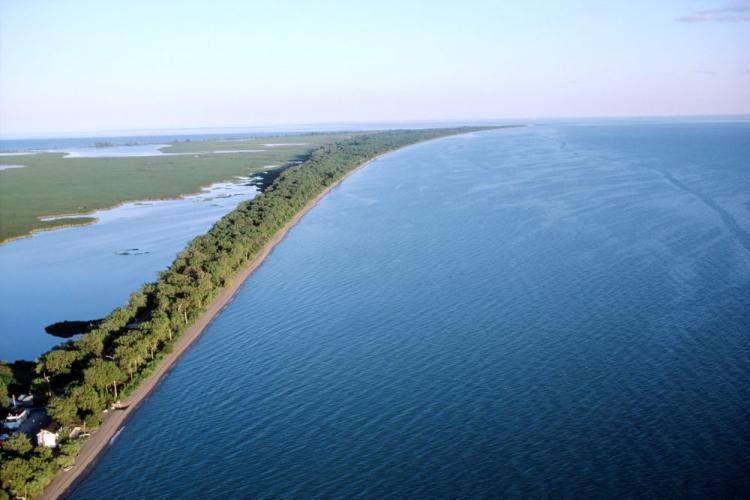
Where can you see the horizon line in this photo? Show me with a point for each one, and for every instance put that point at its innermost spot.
(277, 127)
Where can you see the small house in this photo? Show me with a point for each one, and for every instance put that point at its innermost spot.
(49, 436)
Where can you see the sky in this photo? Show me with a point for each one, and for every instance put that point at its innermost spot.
(69, 66)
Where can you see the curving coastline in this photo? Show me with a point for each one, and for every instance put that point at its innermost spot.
(252, 230)
(88, 219)
(112, 421)
(85, 222)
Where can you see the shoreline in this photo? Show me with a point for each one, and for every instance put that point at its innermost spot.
(93, 220)
(113, 421)
(89, 214)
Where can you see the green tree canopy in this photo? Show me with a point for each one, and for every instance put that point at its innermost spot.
(63, 411)
(57, 362)
(103, 374)
(16, 474)
(18, 445)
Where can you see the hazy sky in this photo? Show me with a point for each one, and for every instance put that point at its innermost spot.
(80, 66)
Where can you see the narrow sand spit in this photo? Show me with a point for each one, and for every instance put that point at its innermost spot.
(112, 421)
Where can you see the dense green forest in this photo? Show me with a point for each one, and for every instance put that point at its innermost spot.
(81, 378)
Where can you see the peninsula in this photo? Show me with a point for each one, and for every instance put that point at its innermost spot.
(94, 383)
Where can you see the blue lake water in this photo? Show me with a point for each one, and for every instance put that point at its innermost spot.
(549, 311)
(82, 273)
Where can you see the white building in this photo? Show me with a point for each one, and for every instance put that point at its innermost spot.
(48, 437)
(15, 418)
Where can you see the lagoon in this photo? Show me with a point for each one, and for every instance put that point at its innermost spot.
(141, 150)
(550, 311)
(135, 150)
(82, 273)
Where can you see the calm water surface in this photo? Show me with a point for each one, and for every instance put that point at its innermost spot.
(551, 311)
(82, 273)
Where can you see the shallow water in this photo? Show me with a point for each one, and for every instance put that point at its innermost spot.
(114, 151)
(82, 273)
(557, 311)
(139, 151)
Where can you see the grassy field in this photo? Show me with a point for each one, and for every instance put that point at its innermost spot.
(53, 185)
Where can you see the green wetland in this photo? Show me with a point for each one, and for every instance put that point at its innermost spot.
(53, 184)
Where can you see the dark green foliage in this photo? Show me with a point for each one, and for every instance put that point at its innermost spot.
(6, 377)
(57, 362)
(67, 452)
(16, 474)
(67, 329)
(18, 445)
(64, 411)
(101, 375)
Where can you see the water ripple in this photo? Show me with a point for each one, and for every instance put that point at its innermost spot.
(517, 319)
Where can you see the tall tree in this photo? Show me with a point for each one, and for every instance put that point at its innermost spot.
(64, 411)
(18, 444)
(16, 475)
(103, 374)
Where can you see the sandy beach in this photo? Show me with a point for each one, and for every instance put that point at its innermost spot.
(112, 421)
